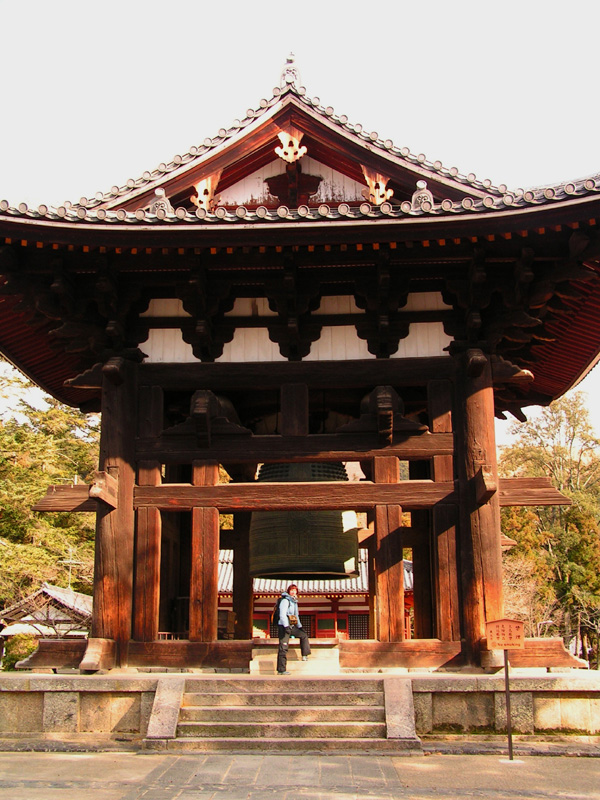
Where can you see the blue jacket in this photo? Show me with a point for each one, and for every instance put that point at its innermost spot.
(289, 605)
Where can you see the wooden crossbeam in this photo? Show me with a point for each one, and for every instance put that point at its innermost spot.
(82, 496)
(530, 492)
(331, 496)
(411, 495)
(326, 447)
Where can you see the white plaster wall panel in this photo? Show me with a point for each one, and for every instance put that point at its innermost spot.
(334, 187)
(251, 307)
(338, 343)
(338, 305)
(252, 190)
(424, 339)
(425, 301)
(165, 307)
(251, 344)
(167, 346)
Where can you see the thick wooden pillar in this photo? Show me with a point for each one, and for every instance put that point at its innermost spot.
(422, 559)
(147, 561)
(389, 565)
(243, 598)
(146, 595)
(113, 565)
(479, 537)
(204, 556)
(444, 522)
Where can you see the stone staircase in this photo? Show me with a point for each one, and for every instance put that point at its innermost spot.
(323, 660)
(284, 715)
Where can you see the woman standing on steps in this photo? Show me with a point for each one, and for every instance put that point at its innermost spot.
(289, 625)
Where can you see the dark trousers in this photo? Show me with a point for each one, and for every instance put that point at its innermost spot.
(284, 638)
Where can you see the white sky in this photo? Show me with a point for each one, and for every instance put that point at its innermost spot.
(94, 93)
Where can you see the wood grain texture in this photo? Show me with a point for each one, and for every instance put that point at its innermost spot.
(444, 522)
(204, 559)
(290, 496)
(227, 653)
(115, 528)
(356, 653)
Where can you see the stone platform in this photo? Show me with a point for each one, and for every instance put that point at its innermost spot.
(125, 709)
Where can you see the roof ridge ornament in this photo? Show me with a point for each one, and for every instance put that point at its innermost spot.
(421, 197)
(290, 75)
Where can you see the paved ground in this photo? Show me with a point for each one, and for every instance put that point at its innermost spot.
(135, 776)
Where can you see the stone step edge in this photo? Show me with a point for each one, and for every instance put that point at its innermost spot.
(289, 745)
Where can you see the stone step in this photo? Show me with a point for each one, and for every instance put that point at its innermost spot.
(295, 715)
(287, 746)
(295, 654)
(267, 665)
(248, 684)
(313, 698)
(260, 730)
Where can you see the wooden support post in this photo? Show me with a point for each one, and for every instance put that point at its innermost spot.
(243, 597)
(147, 561)
(294, 409)
(389, 565)
(445, 556)
(421, 524)
(113, 565)
(480, 550)
(146, 597)
(205, 560)
(372, 576)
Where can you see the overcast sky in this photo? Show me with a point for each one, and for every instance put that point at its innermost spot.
(94, 93)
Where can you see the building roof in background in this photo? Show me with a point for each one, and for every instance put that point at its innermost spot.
(269, 586)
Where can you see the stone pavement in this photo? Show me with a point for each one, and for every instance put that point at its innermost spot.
(432, 776)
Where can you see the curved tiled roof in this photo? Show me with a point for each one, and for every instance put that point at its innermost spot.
(532, 198)
(489, 198)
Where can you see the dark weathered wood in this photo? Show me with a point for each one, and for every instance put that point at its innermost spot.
(104, 487)
(422, 561)
(289, 496)
(260, 449)
(65, 653)
(444, 518)
(228, 653)
(389, 564)
(99, 654)
(243, 596)
(316, 374)
(545, 653)
(67, 498)
(389, 569)
(115, 528)
(357, 653)
(205, 558)
(147, 561)
(484, 484)
(480, 548)
(294, 409)
(530, 492)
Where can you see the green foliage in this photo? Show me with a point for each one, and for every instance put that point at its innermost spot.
(552, 575)
(17, 648)
(40, 446)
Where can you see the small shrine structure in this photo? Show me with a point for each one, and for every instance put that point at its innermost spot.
(298, 290)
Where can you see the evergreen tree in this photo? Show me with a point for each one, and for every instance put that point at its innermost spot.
(558, 548)
(40, 446)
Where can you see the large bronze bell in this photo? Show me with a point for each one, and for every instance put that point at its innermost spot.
(306, 545)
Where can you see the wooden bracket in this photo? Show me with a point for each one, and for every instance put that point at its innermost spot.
(113, 369)
(105, 487)
(99, 654)
(81, 496)
(484, 483)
